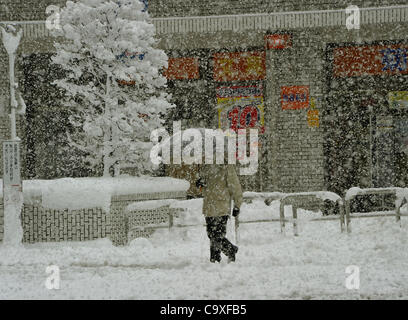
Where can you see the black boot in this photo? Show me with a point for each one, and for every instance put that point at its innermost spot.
(215, 253)
(231, 257)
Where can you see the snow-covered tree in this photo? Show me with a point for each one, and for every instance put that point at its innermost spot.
(113, 81)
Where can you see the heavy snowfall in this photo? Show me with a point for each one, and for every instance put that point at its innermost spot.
(179, 150)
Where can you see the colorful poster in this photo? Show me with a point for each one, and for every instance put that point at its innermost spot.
(278, 41)
(295, 97)
(241, 108)
(182, 68)
(239, 66)
(370, 60)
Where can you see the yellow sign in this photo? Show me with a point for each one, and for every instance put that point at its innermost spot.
(398, 99)
(313, 115)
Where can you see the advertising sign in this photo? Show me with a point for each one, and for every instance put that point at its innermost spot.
(182, 68)
(278, 41)
(241, 108)
(295, 97)
(370, 60)
(239, 66)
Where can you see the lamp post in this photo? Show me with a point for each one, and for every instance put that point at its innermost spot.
(12, 184)
(11, 41)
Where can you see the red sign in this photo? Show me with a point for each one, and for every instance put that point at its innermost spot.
(182, 68)
(239, 66)
(241, 108)
(278, 41)
(295, 97)
(370, 60)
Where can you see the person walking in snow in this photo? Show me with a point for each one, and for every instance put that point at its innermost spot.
(220, 185)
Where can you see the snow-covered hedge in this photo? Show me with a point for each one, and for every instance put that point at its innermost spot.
(78, 193)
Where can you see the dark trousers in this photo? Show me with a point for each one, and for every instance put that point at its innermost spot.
(216, 231)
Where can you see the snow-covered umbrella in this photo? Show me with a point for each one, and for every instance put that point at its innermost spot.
(198, 145)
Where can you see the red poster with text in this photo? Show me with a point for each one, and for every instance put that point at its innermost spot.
(370, 60)
(182, 68)
(295, 97)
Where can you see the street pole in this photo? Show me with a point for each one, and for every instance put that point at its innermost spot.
(11, 42)
(370, 109)
(12, 183)
(13, 102)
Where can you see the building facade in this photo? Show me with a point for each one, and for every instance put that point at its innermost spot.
(330, 102)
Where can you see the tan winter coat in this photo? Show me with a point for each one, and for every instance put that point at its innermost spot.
(222, 186)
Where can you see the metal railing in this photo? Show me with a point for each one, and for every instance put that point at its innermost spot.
(296, 200)
(300, 199)
(400, 193)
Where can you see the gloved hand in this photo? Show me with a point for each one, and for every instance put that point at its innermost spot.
(200, 183)
(235, 212)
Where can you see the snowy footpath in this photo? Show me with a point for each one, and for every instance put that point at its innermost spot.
(173, 264)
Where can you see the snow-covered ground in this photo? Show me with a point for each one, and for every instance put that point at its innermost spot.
(173, 264)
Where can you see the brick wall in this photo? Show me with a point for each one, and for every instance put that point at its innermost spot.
(42, 224)
(297, 158)
(25, 10)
